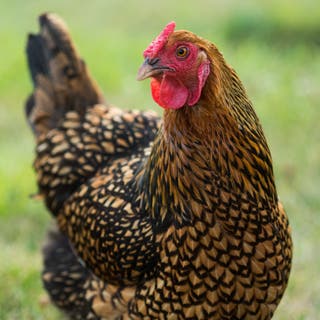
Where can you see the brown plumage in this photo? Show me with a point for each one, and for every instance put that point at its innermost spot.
(178, 220)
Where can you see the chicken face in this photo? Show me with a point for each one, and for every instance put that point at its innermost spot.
(178, 69)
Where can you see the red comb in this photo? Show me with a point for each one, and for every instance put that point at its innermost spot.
(157, 44)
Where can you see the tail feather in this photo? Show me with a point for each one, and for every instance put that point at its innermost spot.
(61, 79)
(36, 58)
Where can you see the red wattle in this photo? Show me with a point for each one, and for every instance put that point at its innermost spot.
(169, 93)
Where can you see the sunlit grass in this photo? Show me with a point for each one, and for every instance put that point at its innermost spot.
(282, 80)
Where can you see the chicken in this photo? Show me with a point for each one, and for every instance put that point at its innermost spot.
(170, 219)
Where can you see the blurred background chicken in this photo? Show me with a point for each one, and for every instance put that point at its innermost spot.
(175, 220)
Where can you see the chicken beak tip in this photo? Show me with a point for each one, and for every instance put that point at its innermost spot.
(144, 71)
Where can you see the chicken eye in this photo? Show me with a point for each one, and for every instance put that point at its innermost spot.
(182, 52)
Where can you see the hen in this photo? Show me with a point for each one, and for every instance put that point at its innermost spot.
(171, 220)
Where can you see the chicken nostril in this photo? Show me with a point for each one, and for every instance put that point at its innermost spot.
(153, 61)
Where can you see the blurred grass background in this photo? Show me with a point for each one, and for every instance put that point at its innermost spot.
(274, 46)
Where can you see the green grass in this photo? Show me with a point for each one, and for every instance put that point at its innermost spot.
(275, 51)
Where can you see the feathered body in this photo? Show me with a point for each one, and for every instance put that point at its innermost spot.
(172, 220)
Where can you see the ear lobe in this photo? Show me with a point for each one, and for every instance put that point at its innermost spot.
(203, 73)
